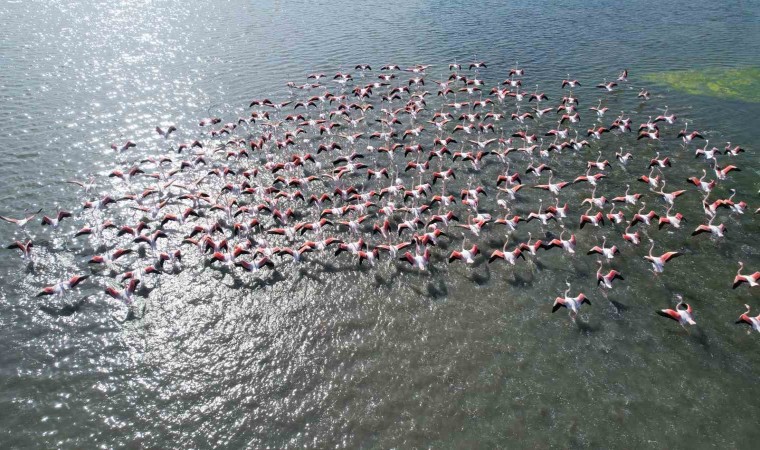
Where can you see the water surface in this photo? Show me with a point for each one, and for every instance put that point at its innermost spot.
(352, 358)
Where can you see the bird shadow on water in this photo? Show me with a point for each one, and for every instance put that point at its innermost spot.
(585, 327)
(384, 281)
(520, 280)
(494, 244)
(65, 310)
(329, 267)
(480, 277)
(698, 336)
(409, 270)
(304, 272)
(261, 283)
(693, 334)
(619, 307)
(434, 289)
(144, 290)
(443, 245)
(437, 289)
(237, 282)
(539, 265)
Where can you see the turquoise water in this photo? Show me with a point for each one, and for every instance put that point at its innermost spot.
(460, 358)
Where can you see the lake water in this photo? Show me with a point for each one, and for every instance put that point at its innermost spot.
(459, 358)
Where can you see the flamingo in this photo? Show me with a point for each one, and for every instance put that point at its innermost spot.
(125, 295)
(669, 197)
(544, 217)
(646, 219)
(687, 138)
(701, 184)
(751, 280)
(21, 223)
(573, 304)
(623, 157)
(683, 314)
(715, 230)
(61, 287)
(735, 207)
(393, 249)
(614, 217)
(109, 260)
(722, 172)
(674, 220)
(753, 322)
(599, 165)
(651, 180)
(569, 82)
(633, 238)
(595, 220)
(658, 262)
(532, 248)
(670, 119)
(630, 199)
(732, 151)
(255, 266)
(606, 280)
(558, 211)
(554, 188)
(474, 226)
(599, 202)
(510, 257)
(566, 244)
(371, 257)
(24, 247)
(420, 261)
(709, 154)
(468, 256)
(661, 163)
(607, 252)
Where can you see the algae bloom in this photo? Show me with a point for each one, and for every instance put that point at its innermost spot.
(741, 83)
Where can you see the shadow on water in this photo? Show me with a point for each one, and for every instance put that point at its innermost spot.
(144, 291)
(619, 307)
(304, 272)
(692, 333)
(443, 245)
(520, 280)
(698, 336)
(494, 244)
(437, 289)
(260, 283)
(404, 268)
(329, 267)
(480, 277)
(382, 281)
(237, 282)
(587, 327)
(65, 310)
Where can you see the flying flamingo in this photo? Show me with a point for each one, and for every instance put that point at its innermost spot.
(573, 304)
(683, 314)
(658, 262)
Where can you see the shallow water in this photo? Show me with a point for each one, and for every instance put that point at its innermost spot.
(727, 83)
(341, 357)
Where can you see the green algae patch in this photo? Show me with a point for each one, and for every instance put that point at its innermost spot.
(741, 83)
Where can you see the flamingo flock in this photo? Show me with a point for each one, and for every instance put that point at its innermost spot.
(362, 166)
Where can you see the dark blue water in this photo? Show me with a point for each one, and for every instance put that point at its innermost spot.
(460, 358)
